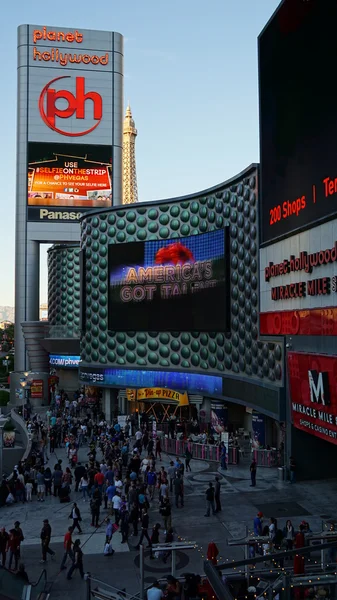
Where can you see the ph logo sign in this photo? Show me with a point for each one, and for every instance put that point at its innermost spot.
(56, 103)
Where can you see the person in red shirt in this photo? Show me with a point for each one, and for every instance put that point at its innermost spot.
(67, 543)
(13, 546)
(99, 480)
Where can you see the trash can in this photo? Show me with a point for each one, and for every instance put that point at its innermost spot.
(281, 473)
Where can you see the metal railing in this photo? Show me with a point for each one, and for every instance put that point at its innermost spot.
(266, 458)
(207, 452)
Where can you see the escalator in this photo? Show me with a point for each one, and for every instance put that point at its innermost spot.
(13, 588)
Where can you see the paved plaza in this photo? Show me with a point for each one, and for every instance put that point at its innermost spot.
(312, 501)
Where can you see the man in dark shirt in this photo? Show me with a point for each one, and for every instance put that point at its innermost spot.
(78, 473)
(145, 527)
(45, 541)
(210, 500)
(4, 537)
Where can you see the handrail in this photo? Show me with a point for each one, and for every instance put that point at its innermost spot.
(43, 572)
(21, 422)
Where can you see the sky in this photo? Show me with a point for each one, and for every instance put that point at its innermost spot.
(191, 79)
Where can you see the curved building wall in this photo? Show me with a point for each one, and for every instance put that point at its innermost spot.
(64, 291)
(239, 354)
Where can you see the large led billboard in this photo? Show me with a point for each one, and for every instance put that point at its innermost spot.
(169, 285)
(298, 126)
(76, 176)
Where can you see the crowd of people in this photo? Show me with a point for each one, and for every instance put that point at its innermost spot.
(119, 481)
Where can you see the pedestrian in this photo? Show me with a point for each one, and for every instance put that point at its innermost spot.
(258, 524)
(75, 515)
(145, 527)
(151, 481)
(108, 531)
(78, 560)
(134, 516)
(158, 448)
(253, 469)
(223, 457)
(95, 504)
(154, 537)
(116, 503)
(13, 547)
(292, 469)
(178, 490)
(289, 534)
(40, 486)
(4, 537)
(125, 525)
(210, 499)
(29, 489)
(188, 457)
(171, 474)
(67, 544)
(45, 541)
(84, 483)
(79, 472)
(217, 489)
(165, 511)
(155, 592)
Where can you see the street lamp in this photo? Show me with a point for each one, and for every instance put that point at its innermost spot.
(23, 385)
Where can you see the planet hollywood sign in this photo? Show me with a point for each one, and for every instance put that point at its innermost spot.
(56, 55)
(298, 284)
(306, 263)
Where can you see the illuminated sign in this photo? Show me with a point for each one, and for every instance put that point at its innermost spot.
(64, 362)
(163, 394)
(298, 130)
(313, 394)
(57, 36)
(192, 383)
(75, 105)
(298, 291)
(36, 388)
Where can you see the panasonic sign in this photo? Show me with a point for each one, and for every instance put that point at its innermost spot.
(64, 362)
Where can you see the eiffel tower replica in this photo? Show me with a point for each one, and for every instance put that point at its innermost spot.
(130, 189)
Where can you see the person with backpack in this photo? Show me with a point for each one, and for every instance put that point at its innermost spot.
(95, 504)
(78, 560)
(75, 515)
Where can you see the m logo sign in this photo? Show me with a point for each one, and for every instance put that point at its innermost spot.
(63, 104)
(319, 387)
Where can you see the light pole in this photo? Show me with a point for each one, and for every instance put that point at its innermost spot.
(23, 385)
(7, 361)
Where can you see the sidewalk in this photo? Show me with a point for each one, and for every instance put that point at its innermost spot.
(240, 503)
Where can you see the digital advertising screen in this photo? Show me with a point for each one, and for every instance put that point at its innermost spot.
(170, 285)
(69, 175)
(298, 125)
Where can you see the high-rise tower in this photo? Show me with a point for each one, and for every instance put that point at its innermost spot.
(130, 190)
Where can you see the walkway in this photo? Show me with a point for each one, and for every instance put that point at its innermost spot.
(240, 503)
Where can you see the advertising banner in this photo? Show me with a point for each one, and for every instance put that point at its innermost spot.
(36, 388)
(163, 394)
(219, 418)
(259, 430)
(313, 393)
(79, 178)
(169, 285)
(64, 362)
(298, 286)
